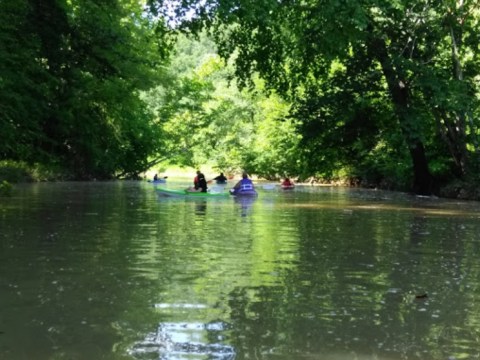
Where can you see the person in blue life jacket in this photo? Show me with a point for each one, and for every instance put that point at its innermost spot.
(244, 185)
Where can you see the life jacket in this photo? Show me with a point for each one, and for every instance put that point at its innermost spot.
(246, 184)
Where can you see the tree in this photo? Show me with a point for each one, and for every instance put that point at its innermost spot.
(295, 45)
(207, 119)
(72, 74)
(450, 87)
(25, 83)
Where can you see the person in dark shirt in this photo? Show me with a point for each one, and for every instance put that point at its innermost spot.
(220, 179)
(201, 183)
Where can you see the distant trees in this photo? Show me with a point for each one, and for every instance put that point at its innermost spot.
(366, 78)
(377, 91)
(206, 119)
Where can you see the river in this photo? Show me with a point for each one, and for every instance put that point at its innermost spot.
(111, 270)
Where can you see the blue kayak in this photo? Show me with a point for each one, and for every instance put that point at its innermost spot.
(158, 181)
(243, 192)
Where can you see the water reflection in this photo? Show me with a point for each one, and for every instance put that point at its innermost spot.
(245, 203)
(109, 271)
(201, 207)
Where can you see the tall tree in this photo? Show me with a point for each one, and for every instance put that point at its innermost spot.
(449, 82)
(75, 70)
(25, 83)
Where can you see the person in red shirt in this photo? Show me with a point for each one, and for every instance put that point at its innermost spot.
(287, 183)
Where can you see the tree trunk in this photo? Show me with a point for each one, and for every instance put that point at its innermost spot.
(423, 181)
(461, 154)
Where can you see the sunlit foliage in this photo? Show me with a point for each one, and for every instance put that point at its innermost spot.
(408, 78)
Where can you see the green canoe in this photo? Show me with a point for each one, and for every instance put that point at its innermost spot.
(184, 193)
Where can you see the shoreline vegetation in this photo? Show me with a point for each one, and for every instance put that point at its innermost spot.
(110, 91)
(12, 172)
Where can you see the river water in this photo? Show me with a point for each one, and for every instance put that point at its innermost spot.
(113, 271)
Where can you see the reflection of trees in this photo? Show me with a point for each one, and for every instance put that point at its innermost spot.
(75, 276)
(290, 278)
(315, 280)
(353, 288)
(437, 262)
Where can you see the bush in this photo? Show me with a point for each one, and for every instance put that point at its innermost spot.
(14, 172)
(5, 188)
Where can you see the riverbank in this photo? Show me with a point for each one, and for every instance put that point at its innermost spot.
(457, 189)
(12, 172)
